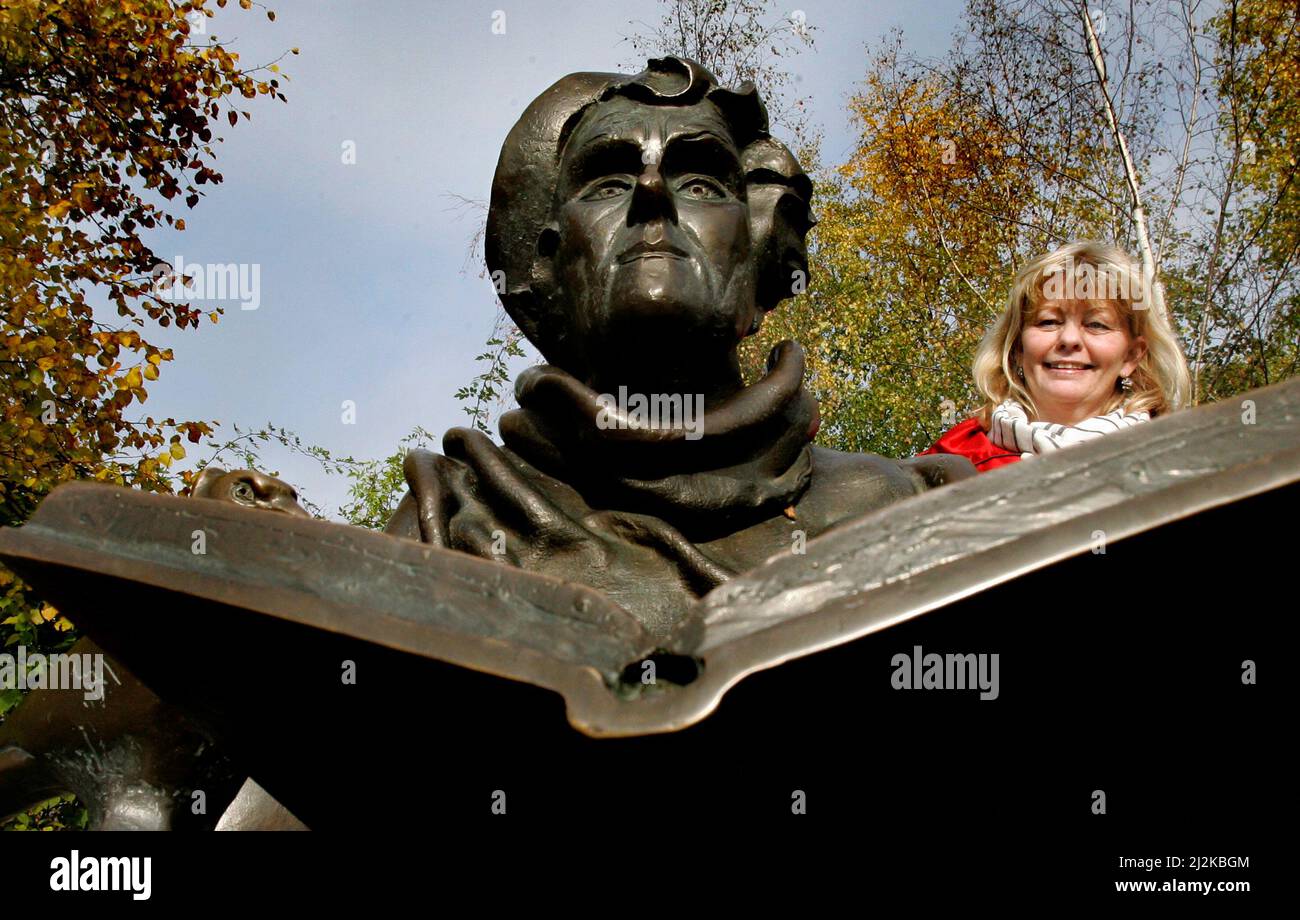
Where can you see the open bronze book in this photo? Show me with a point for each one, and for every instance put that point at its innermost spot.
(159, 579)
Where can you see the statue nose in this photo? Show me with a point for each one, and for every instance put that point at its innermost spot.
(650, 198)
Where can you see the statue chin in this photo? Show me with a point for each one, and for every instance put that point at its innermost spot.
(687, 318)
(667, 340)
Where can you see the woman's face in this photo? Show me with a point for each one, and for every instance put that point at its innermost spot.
(1073, 352)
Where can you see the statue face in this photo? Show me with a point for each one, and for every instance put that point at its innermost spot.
(653, 251)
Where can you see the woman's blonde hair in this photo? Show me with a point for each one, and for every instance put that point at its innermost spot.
(1085, 271)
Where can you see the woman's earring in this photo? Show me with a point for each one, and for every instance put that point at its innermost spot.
(1020, 372)
(1126, 383)
(758, 321)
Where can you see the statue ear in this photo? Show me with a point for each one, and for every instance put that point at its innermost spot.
(529, 303)
(780, 219)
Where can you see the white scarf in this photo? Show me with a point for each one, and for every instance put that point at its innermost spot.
(1011, 429)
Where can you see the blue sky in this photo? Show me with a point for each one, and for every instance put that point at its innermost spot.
(366, 292)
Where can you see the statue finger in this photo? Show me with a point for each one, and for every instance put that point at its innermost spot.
(504, 486)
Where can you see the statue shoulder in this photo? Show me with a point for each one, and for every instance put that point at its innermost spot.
(847, 485)
(877, 480)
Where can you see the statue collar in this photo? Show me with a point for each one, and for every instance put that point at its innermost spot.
(744, 459)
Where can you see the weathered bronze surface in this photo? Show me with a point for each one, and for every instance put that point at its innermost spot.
(419, 621)
(640, 227)
(892, 565)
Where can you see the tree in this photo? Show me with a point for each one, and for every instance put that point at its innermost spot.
(737, 41)
(108, 113)
(1005, 148)
(1242, 205)
(378, 485)
(963, 169)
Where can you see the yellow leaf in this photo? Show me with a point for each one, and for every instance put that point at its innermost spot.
(150, 372)
(59, 209)
(178, 451)
(133, 378)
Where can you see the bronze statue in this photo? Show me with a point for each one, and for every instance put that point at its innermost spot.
(640, 227)
(644, 513)
(248, 488)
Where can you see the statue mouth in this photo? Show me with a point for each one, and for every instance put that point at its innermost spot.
(644, 250)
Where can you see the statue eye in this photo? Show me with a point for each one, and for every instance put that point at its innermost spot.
(702, 189)
(243, 492)
(608, 188)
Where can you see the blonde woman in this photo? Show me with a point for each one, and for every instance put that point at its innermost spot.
(1080, 351)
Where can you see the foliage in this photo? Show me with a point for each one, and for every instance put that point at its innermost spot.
(967, 166)
(243, 452)
(738, 41)
(104, 103)
(107, 114)
(1238, 273)
(61, 813)
(37, 626)
(492, 385)
(378, 485)
(107, 107)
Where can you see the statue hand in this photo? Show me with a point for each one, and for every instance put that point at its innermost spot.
(481, 501)
(248, 488)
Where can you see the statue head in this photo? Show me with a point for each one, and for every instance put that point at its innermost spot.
(645, 219)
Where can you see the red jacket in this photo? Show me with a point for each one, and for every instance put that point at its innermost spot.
(970, 441)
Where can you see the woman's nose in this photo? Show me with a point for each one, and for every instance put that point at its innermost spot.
(1070, 336)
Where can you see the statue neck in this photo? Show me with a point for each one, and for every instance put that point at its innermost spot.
(715, 380)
